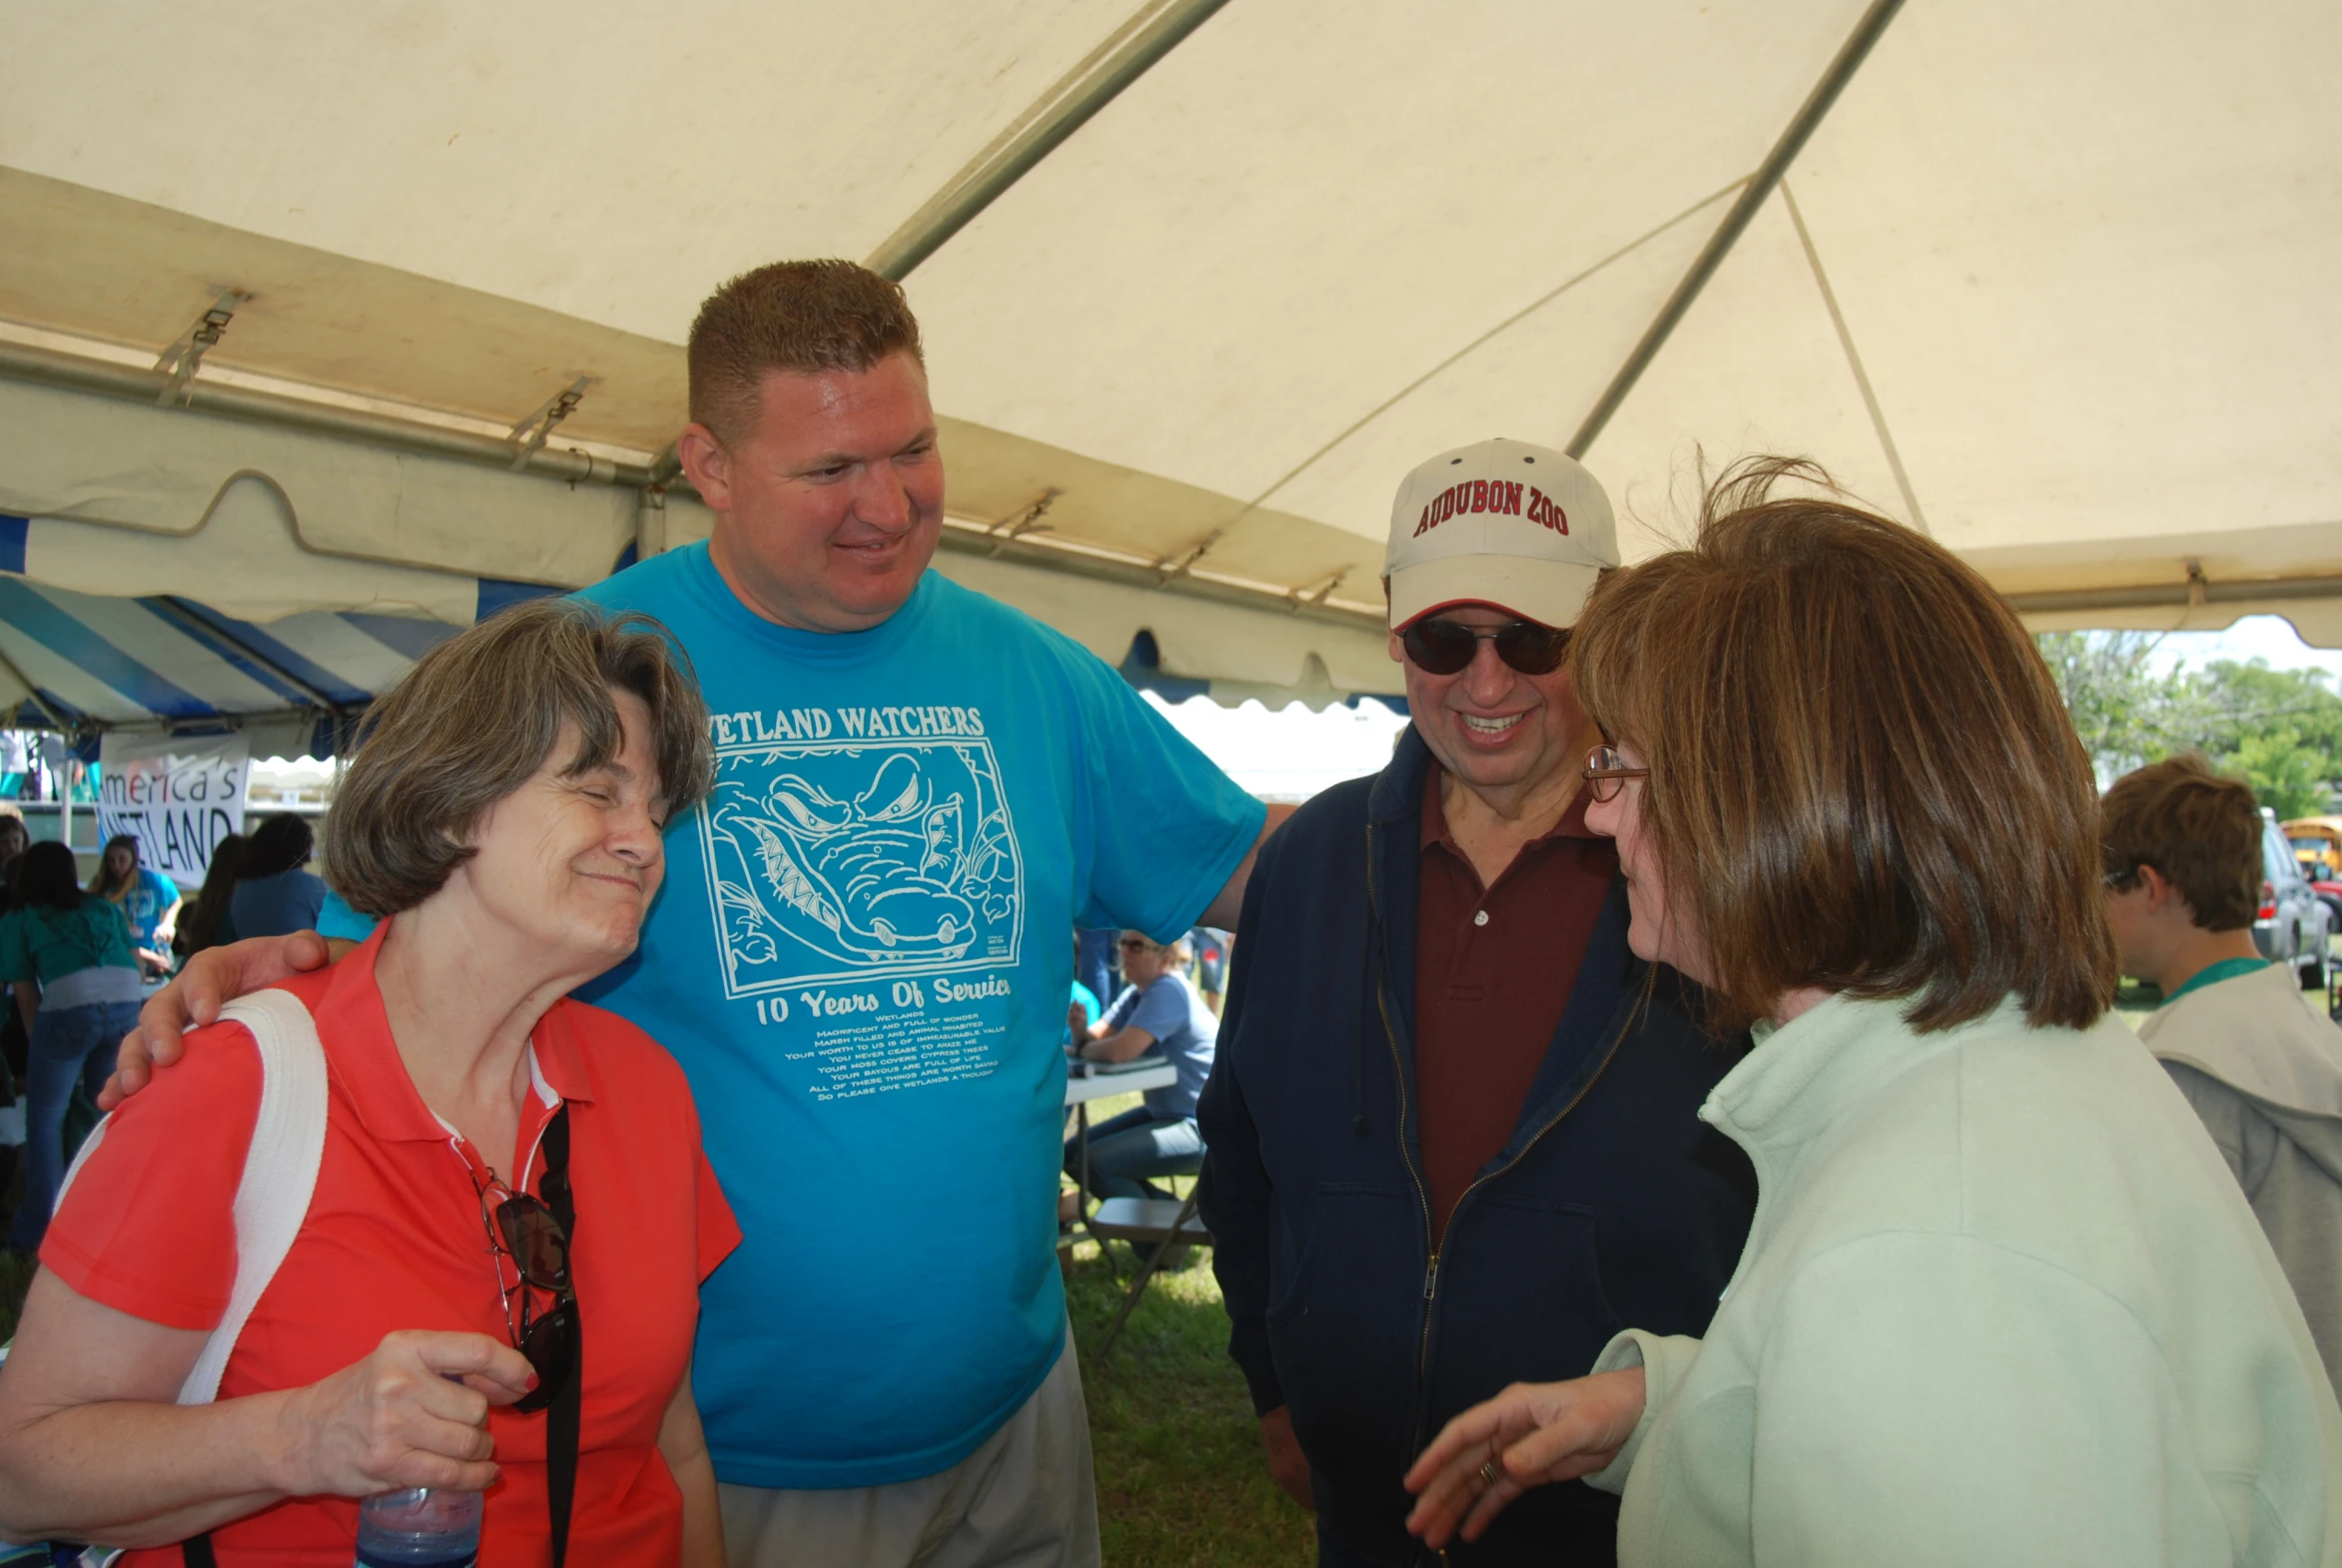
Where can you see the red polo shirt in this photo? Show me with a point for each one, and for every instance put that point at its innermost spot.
(395, 1239)
(1493, 972)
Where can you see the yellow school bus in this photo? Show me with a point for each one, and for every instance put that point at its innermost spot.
(2317, 844)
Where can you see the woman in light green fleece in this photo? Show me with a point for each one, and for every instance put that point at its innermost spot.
(2002, 1304)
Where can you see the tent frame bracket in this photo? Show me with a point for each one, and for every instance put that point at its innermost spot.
(183, 358)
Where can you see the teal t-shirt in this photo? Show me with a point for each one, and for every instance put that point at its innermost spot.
(150, 894)
(861, 959)
(44, 944)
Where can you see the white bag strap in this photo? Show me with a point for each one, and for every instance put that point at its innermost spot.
(279, 1170)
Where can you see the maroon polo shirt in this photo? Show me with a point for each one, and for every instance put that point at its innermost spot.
(1493, 971)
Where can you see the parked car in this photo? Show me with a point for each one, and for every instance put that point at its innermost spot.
(2293, 923)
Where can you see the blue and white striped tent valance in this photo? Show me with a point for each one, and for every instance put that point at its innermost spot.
(94, 662)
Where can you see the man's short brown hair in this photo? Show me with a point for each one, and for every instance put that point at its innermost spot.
(478, 715)
(1862, 776)
(800, 316)
(2200, 829)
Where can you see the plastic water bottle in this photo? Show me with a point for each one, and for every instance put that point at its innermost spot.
(421, 1527)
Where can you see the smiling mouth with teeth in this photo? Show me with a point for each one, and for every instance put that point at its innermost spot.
(1474, 723)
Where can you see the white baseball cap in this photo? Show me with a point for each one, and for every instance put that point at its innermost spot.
(1498, 522)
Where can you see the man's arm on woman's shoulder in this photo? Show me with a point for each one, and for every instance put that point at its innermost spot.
(213, 977)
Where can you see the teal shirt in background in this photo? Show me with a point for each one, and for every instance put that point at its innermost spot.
(337, 920)
(44, 944)
(146, 901)
(861, 959)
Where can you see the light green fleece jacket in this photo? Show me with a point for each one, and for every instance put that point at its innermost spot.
(2001, 1304)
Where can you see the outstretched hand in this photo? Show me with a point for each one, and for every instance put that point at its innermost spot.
(1528, 1435)
(211, 978)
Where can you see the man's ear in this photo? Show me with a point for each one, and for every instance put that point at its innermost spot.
(2162, 893)
(706, 464)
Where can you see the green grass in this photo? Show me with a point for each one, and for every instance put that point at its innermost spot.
(1182, 1482)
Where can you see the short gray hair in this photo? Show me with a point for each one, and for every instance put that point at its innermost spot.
(478, 715)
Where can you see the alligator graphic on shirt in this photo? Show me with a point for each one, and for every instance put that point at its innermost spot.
(907, 869)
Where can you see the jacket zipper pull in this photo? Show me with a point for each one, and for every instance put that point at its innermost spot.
(1431, 1277)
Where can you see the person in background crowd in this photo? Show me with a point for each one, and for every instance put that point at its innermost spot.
(275, 894)
(1453, 1133)
(941, 1419)
(2182, 858)
(1085, 1011)
(503, 815)
(1093, 960)
(205, 923)
(2002, 1302)
(1085, 1004)
(15, 837)
(14, 1045)
(77, 990)
(1158, 1011)
(148, 900)
(1212, 960)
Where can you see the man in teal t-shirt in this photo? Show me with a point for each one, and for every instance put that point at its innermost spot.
(860, 954)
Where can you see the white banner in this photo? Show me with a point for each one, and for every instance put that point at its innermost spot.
(177, 796)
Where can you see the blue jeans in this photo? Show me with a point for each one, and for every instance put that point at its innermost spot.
(1138, 1144)
(68, 1045)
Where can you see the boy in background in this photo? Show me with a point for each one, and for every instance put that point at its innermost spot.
(2182, 855)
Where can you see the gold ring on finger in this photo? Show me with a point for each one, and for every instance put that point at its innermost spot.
(1487, 1474)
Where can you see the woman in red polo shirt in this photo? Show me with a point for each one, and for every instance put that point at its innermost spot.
(505, 815)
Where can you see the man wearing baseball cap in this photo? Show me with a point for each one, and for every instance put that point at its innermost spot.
(1452, 1134)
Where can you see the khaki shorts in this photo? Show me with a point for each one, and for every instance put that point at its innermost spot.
(1024, 1499)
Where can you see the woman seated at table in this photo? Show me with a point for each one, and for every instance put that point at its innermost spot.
(1158, 1011)
(2002, 1302)
(504, 812)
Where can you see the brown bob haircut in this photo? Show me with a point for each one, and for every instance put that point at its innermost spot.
(479, 716)
(1862, 776)
(2200, 829)
(801, 317)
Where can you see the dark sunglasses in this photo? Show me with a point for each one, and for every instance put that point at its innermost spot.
(527, 1231)
(1443, 647)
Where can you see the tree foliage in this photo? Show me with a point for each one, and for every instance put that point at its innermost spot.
(2280, 729)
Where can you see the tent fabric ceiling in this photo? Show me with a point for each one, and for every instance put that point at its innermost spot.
(2051, 283)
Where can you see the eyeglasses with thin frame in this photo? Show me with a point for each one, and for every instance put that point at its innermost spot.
(1607, 771)
(1444, 647)
(1138, 945)
(522, 1230)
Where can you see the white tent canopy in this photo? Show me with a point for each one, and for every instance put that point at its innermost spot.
(2053, 283)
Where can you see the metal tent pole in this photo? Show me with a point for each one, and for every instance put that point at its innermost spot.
(1752, 197)
(1088, 88)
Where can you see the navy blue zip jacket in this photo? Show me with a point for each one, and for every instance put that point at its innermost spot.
(1612, 1203)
